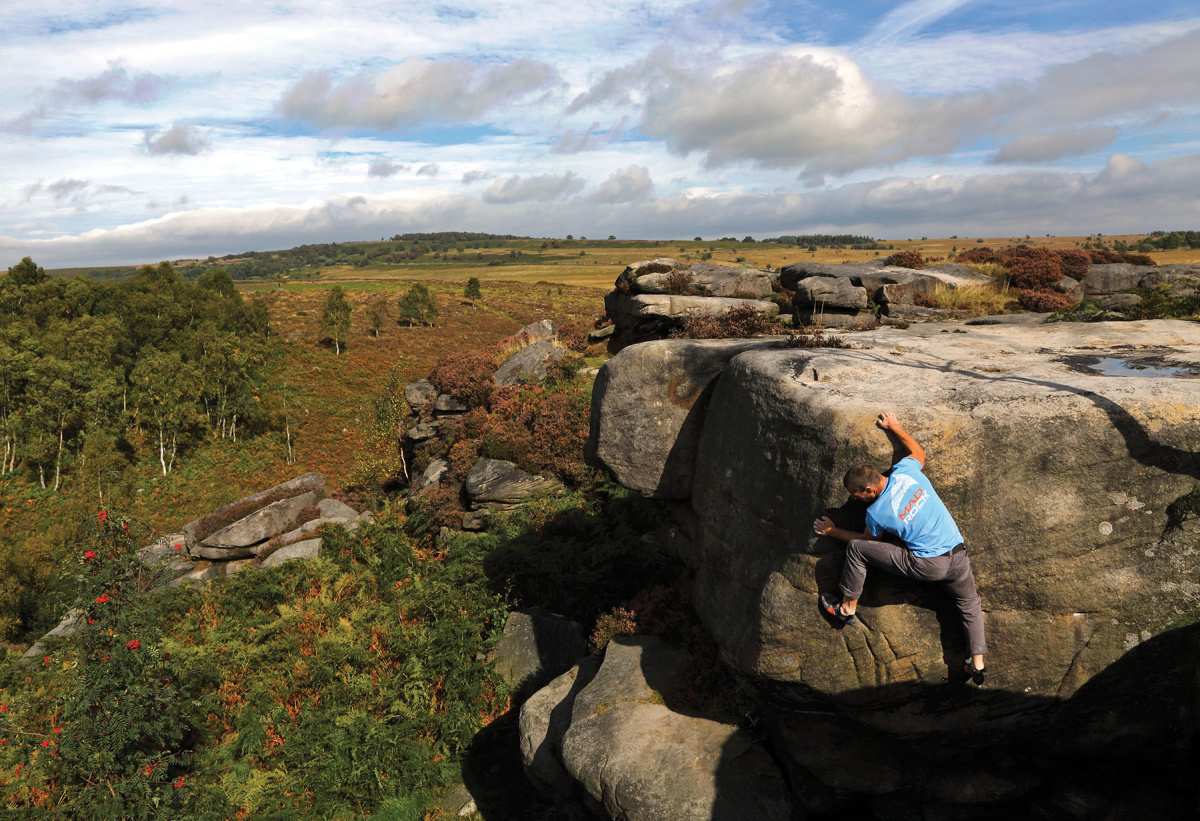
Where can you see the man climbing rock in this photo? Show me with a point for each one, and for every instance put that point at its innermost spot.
(905, 504)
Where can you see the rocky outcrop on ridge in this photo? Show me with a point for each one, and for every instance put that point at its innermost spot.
(653, 297)
(1079, 492)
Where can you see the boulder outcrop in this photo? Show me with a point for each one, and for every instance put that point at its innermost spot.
(503, 483)
(612, 733)
(653, 297)
(1078, 492)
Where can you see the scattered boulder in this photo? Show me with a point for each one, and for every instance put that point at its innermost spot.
(69, 626)
(307, 549)
(419, 394)
(432, 476)
(447, 404)
(333, 509)
(257, 527)
(706, 279)
(545, 330)
(537, 646)
(476, 521)
(530, 362)
(837, 294)
(423, 431)
(503, 483)
(200, 529)
(628, 279)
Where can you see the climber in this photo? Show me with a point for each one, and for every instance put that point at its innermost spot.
(904, 503)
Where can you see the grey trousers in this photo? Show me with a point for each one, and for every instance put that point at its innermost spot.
(952, 569)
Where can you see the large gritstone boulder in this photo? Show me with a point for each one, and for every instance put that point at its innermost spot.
(1067, 454)
(648, 407)
(639, 760)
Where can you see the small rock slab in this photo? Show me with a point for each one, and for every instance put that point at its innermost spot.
(529, 362)
(334, 509)
(309, 482)
(419, 394)
(495, 480)
(449, 404)
(258, 526)
(308, 549)
(432, 476)
(545, 718)
(537, 646)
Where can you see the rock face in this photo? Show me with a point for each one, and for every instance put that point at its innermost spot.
(648, 408)
(613, 734)
(1076, 491)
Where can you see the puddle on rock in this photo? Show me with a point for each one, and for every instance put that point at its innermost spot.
(1146, 366)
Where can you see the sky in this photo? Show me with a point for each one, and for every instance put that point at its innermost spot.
(133, 131)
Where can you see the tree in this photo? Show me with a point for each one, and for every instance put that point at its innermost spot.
(335, 318)
(418, 305)
(378, 314)
(472, 291)
(26, 272)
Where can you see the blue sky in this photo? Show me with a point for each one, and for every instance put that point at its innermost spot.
(137, 131)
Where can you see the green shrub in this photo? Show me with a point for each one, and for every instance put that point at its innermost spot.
(111, 740)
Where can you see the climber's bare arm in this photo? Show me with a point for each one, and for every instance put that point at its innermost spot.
(902, 443)
(825, 527)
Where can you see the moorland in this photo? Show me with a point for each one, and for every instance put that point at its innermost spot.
(395, 613)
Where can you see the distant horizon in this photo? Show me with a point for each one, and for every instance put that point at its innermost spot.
(173, 130)
(999, 241)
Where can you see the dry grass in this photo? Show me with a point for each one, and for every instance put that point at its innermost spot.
(974, 300)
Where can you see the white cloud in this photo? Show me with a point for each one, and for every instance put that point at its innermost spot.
(980, 205)
(817, 111)
(909, 19)
(381, 167)
(429, 169)
(537, 188)
(1045, 146)
(412, 93)
(181, 138)
(627, 185)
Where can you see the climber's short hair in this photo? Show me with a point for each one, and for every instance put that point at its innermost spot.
(860, 477)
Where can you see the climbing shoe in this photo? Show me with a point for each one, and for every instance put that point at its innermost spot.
(974, 673)
(832, 607)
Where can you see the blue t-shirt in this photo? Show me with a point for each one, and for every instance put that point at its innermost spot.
(909, 507)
